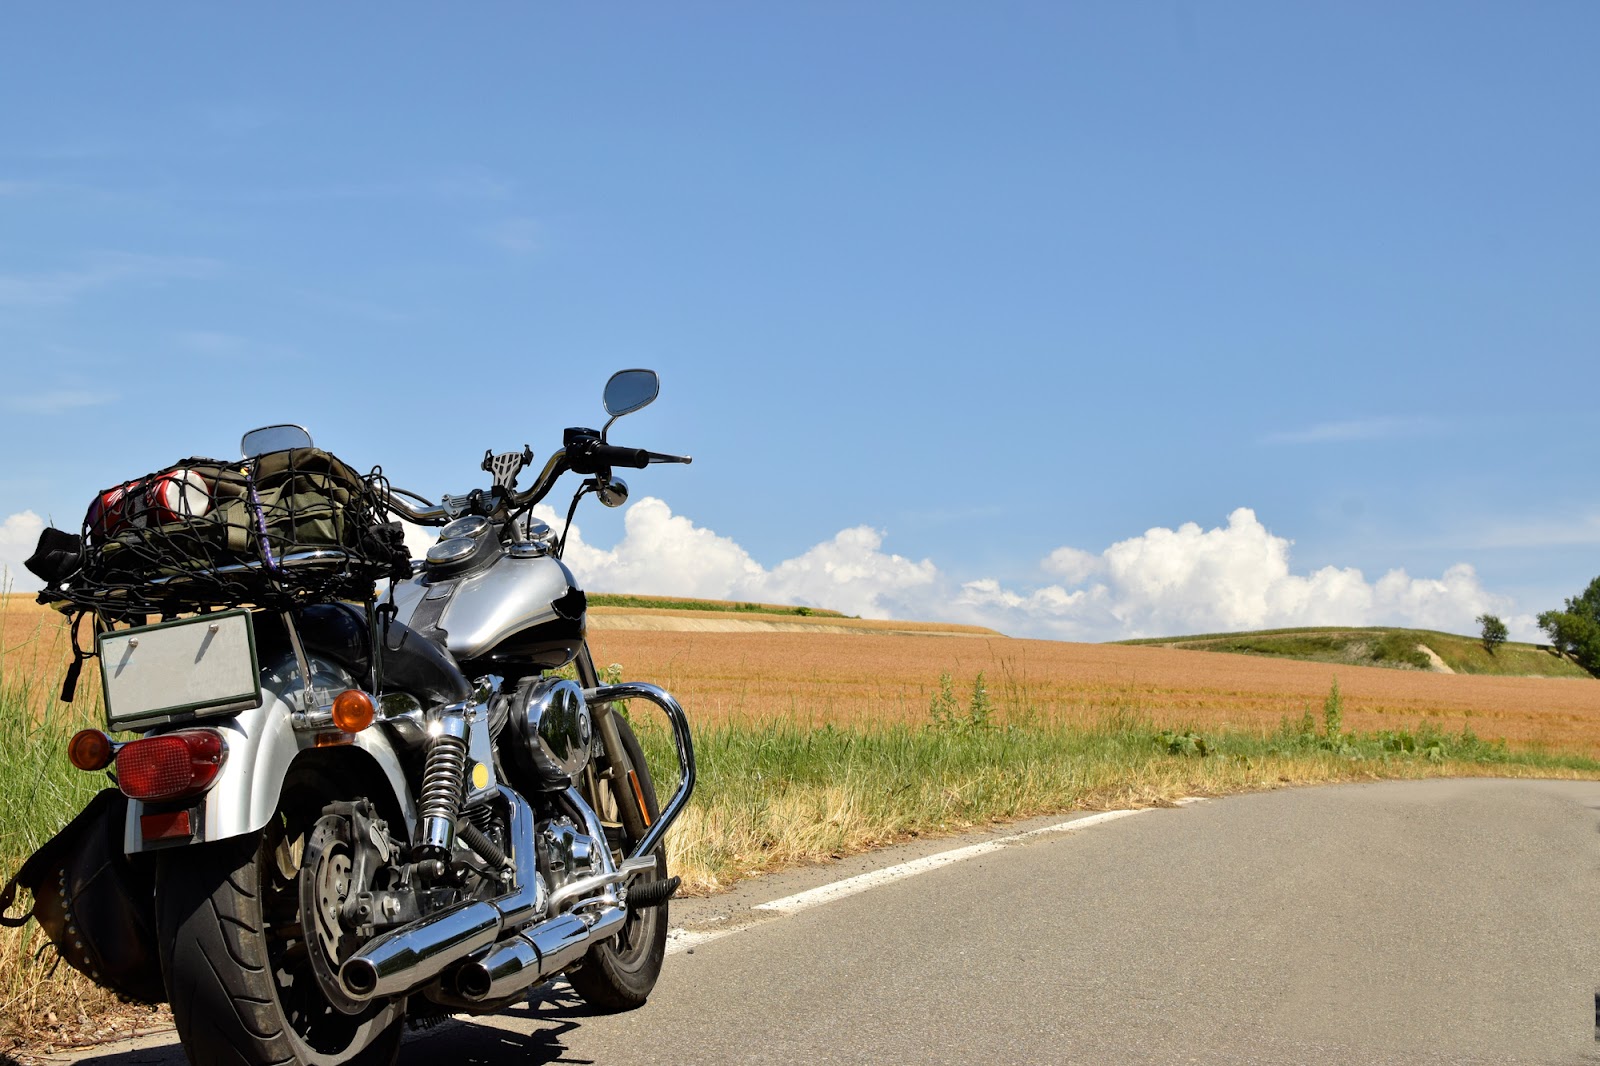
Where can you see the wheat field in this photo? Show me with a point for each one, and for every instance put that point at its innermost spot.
(844, 679)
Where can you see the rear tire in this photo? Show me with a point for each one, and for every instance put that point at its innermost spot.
(237, 973)
(618, 974)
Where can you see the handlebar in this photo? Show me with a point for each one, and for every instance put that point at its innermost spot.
(587, 455)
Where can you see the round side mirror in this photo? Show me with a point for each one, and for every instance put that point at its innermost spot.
(629, 390)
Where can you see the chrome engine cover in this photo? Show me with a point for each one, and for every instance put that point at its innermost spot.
(550, 732)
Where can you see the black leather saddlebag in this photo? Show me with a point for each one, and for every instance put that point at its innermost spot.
(96, 904)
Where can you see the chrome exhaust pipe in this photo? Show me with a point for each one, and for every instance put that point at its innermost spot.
(534, 954)
(419, 952)
(404, 959)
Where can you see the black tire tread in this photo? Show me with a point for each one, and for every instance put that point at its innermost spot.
(214, 963)
(599, 979)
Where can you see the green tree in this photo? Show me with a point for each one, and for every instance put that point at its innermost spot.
(1494, 632)
(1575, 632)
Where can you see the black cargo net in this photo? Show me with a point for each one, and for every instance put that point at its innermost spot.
(277, 531)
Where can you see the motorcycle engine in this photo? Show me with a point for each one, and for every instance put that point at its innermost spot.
(571, 853)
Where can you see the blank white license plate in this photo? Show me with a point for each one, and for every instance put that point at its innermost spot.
(196, 666)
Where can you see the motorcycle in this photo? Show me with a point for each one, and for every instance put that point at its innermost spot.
(343, 809)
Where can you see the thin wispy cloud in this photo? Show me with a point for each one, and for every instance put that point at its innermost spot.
(464, 185)
(238, 118)
(517, 235)
(1358, 429)
(367, 310)
(99, 271)
(231, 347)
(58, 401)
(1577, 532)
(71, 152)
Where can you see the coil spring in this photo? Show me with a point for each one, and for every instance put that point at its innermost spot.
(444, 782)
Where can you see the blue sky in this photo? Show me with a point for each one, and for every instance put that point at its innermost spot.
(1078, 320)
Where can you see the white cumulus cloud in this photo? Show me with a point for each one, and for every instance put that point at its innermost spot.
(19, 535)
(668, 555)
(1232, 577)
(1162, 582)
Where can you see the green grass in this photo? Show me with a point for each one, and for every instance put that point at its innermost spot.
(1381, 646)
(773, 794)
(39, 790)
(607, 599)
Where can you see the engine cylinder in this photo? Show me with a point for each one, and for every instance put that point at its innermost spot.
(550, 731)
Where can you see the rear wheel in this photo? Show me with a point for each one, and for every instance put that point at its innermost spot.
(618, 974)
(236, 963)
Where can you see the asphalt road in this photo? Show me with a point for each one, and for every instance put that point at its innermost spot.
(1431, 922)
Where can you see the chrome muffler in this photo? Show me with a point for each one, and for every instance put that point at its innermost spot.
(534, 954)
(407, 958)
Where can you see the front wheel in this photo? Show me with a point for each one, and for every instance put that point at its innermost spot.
(237, 969)
(618, 974)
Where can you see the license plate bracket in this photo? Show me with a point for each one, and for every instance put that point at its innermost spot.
(191, 668)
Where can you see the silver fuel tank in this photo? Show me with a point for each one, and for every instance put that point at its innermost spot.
(520, 606)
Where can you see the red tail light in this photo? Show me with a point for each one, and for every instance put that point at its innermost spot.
(172, 765)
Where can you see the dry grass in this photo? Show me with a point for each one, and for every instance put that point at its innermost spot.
(35, 646)
(43, 1003)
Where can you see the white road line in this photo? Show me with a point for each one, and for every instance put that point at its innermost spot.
(681, 940)
(862, 882)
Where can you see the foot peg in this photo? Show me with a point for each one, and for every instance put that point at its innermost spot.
(653, 893)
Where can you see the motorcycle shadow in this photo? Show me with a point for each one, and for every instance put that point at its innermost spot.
(528, 1034)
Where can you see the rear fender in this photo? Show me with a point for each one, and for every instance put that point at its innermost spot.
(264, 749)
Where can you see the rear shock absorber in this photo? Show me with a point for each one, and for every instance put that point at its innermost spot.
(444, 786)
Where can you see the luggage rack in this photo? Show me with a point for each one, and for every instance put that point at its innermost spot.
(309, 576)
(276, 531)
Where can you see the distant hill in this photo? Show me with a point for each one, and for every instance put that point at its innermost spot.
(1400, 649)
(611, 611)
(680, 603)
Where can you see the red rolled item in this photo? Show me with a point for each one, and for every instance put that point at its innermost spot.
(176, 495)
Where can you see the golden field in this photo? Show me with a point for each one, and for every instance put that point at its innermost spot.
(822, 677)
(817, 671)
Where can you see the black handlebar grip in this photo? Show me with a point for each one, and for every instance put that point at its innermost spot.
(611, 455)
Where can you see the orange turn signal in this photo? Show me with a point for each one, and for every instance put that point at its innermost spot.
(90, 749)
(353, 710)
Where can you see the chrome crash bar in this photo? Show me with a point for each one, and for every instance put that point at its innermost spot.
(681, 740)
